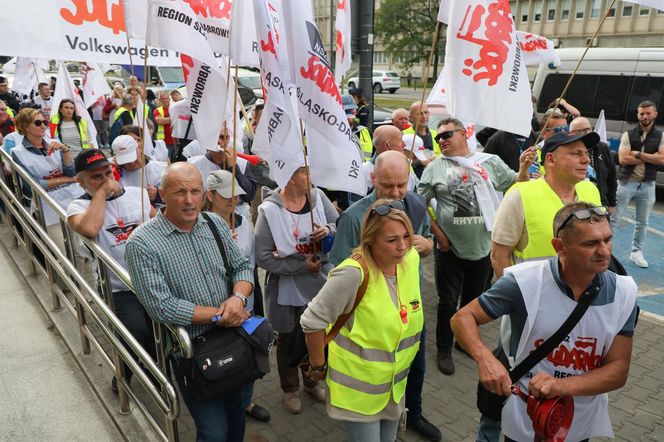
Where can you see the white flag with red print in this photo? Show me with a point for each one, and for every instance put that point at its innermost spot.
(244, 43)
(28, 73)
(94, 84)
(655, 4)
(67, 89)
(438, 94)
(342, 60)
(136, 18)
(198, 28)
(335, 159)
(278, 138)
(485, 73)
(207, 91)
(537, 49)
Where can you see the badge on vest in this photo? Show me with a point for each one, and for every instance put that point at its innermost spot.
(415, 305)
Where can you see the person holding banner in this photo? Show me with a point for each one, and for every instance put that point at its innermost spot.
(70, 128)
(464, 186)
(419, 118)
(289, 235)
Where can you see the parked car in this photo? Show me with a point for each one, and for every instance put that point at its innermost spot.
(382, 80)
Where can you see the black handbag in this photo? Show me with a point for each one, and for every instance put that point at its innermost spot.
(227, 358)
(491, 404)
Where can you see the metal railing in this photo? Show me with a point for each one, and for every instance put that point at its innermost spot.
(90, 308)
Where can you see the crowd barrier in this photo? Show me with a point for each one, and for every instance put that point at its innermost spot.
(92, 308)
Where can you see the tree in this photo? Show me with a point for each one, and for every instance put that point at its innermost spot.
(405, 28)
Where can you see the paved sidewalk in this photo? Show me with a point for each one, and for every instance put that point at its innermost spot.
(43, 395)
(637, 410)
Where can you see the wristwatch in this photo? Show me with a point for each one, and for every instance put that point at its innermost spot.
(242, 297)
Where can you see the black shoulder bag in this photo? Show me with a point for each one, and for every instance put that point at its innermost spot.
(227, 358)
(491, 404)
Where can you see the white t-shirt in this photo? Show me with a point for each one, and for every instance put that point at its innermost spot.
(153, 170)
(159, 152)
(180, 116)
(113, 235)
(46, 105)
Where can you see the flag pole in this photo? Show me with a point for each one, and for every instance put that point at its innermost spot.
(434, 42)
(131, 59)
(142, 128)
(234, 149)
(571, 77)
(306, 169)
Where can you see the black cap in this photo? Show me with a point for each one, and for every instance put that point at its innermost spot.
(90, 159)
(355, 91)
(560, 139)
(3, 80)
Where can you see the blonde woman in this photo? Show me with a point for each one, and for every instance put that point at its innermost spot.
(369, 359)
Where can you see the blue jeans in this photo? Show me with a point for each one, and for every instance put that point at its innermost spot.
(379, 431)
(643, 194)
(488, 430)
(415, 381)
(216, 421)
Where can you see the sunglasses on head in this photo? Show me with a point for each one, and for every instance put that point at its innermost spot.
(559, 129)
(446, 135)
(38, 123)
(384, 209)
(583, 214)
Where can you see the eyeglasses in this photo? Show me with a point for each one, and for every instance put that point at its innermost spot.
(446, 135)
(583, 214)
(384, 209)
(38, 123)
(558, 129)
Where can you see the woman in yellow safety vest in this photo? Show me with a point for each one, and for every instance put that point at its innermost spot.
(369, 358)
(70, 128)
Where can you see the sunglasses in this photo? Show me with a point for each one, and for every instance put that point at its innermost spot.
(558, 129)
(38, 123)
(384, 209)
(583, 214)
(446, 135)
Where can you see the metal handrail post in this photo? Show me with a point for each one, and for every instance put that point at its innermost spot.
(55, 301)
(80, 312)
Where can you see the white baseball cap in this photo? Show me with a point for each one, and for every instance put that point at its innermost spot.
(418, 148)
(124, 149)
(221, 182)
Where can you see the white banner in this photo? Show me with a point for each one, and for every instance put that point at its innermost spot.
(278, 139)
(342, 59)
(444, 11)
(484, 70)
(94, 84)
(65, 89)
(244, 42)
(600, 128)
(537, 49)
(334, 157)
(28, 73)
(438, 94)
(136, 17)
(655, 4)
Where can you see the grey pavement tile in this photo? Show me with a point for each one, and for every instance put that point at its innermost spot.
(644, 419)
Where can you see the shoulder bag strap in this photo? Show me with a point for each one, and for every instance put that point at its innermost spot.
(222, 250)
(341, 320)
(533, 358)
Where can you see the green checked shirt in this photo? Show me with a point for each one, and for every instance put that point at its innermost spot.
(172, 271)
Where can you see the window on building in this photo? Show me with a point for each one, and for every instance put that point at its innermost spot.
(643, 11)
(564, 11)
(594, 9)
(627, 10)
(611, 13)
(551, 10)
(580, 6)
(537, 11)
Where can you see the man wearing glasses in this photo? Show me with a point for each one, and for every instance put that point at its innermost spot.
(641, 151)
(464, 187)
(538, 297)
(522, 229)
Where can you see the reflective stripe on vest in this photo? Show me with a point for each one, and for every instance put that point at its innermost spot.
(120, 111)
(540, 204)
(369, 363)
(365, 143)
(161, 133)
(82, 130)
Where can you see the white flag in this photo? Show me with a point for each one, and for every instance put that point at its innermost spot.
(244, 42)
(537, 49)
(66, 89)
(278, 139)
(136, 18)
(438, 94)
(141, 120)
(196, 28)
(444, 11)
(342, 59)
(600, 128)
(485, 73)
(94, 84)
(207, 91)
(655, 4)
(27, 75)
(334, 157)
